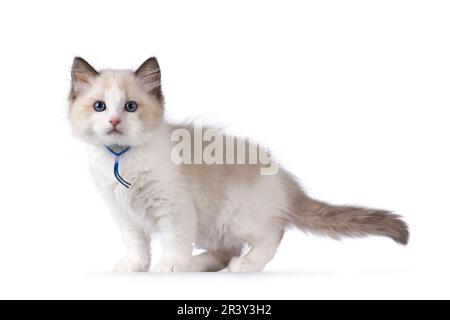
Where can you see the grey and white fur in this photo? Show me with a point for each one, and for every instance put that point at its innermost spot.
(219, 208)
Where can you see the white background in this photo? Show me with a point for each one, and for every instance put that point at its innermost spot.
(352, 96)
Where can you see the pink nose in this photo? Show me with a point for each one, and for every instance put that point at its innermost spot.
(114, 122)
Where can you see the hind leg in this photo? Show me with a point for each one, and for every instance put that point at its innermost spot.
(261, 252)
(216, 258)
(210, 262)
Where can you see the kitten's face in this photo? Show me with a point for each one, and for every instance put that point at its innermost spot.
(115, 107)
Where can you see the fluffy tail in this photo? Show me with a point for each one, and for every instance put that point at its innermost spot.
(338, 221)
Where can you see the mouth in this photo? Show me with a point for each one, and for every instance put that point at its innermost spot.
(115, 132)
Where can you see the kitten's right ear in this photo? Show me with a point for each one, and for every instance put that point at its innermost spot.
(82, 74)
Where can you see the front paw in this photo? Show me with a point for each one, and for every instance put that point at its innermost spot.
(173, 265)
(132, 265)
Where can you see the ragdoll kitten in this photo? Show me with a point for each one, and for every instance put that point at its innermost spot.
(221, 208)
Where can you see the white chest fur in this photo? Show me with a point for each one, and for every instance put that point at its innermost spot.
(151, 176)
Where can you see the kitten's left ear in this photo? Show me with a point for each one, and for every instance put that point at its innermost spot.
(149, 74)
(82, 74)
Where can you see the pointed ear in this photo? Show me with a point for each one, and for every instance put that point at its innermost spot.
(149, 75)
(82, 74)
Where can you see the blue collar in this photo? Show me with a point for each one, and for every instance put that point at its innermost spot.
(116, 165)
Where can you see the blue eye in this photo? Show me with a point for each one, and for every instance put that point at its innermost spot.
(99, 106)
(131, 106)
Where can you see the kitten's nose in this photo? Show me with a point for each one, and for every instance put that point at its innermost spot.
(114, 122)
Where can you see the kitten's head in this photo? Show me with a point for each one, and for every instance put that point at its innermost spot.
(115, 107)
